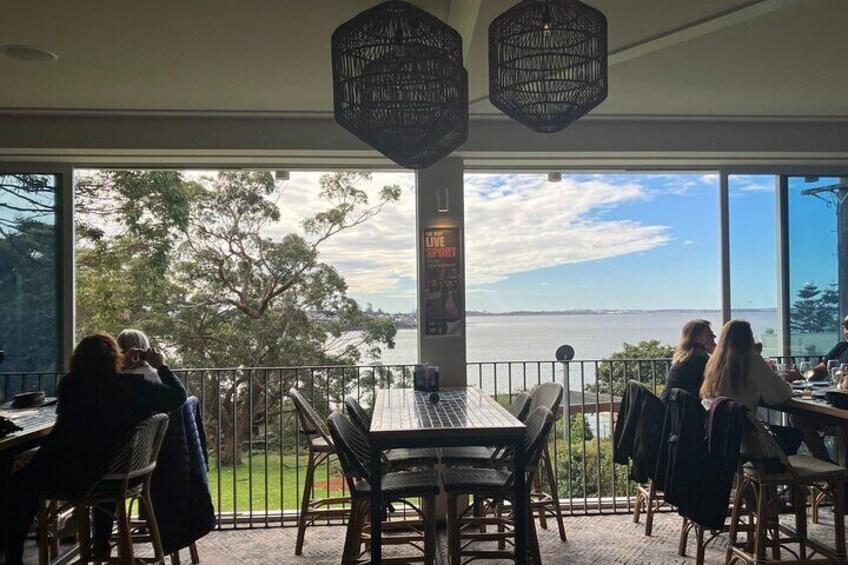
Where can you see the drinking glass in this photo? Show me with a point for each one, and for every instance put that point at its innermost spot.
(833, 370)
(807, 372)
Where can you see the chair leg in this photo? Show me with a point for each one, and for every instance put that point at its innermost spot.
(192, 550)
(83, 517)
(353, 534)
(42, 534)
(454, 543)
(738, 500)
(699, 545)
(304, 504)
(152, 524)
(684, 537)
(546, 459)
(533, 539)
(649, 510)
(762, 524)
(839, 518)
(175, 558)
(125, 546)
(537, 487)
(774, 521)
(799, 498)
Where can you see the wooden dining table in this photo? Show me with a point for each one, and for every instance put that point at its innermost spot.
(460, 417)
(823, 412)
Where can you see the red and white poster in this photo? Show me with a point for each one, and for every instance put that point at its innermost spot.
(442, 282)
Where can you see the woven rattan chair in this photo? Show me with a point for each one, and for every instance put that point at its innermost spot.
(321, 448)
(479, 456)
(393, 459)
(398, 487)
(766, 471)
(467, 529)
(543, 502)
(127, 478)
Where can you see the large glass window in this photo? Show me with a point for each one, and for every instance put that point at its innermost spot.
(753, 253)
(813, 264)
(28, 272)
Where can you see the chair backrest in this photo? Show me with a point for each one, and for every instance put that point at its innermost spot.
(538, 426)
(311, 423)
(758, 445)
(137, 457)
(358, 414)
(352, 448)
(548, 395)
(519, 406)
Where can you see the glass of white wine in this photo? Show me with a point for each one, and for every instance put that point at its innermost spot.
(807, 371)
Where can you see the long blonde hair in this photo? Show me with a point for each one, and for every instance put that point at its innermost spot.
(687, 345)
(727, 370)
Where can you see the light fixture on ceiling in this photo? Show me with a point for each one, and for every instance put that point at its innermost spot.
(28, 53)
(554, 177)
(548, 62)
(399, 84)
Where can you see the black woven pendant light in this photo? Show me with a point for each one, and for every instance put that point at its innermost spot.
(399, 84)
(548, 62)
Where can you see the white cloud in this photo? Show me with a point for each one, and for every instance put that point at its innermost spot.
(514, 224)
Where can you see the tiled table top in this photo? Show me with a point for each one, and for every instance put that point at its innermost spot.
(461, 410)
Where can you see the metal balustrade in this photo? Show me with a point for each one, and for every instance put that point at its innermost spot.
(257, 460)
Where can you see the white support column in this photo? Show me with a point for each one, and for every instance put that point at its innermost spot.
(440, 204)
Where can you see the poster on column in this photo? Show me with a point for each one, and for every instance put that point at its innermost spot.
(442, 282)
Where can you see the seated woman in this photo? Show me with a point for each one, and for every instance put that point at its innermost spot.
(737, 371)
(697, 342)
(136, 364)
(98, 407)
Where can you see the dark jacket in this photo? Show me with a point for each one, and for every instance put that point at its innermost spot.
(179, 487)
(682, 451)
(687, 374)
(95, 415)
(637, 431)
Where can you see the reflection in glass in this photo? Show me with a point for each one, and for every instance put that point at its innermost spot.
(28, 290)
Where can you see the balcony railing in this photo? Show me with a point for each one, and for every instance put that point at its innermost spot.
(257, 460)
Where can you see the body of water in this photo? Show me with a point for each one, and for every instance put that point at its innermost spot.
(593, 336)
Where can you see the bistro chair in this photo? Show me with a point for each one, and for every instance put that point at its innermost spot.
(766, 471)
(321, 447)
(393, 459)
(466, 528)
(398, 487)
(550, 396)
(127, 478)
(479, 456)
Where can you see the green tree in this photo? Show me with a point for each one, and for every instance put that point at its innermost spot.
(647, 362)
(192, 264)
(579, 430)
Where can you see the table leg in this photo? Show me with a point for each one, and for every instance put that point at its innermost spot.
(376, 480)
(520, 502)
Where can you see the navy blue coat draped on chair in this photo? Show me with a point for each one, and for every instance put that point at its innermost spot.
(180, 487)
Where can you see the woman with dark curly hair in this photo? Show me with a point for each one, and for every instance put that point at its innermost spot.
(98, 408)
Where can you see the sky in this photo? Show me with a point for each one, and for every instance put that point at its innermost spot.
(611, 241)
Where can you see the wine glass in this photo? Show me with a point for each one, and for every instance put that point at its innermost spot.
(807, 372)
(833, 370)
(841, 373)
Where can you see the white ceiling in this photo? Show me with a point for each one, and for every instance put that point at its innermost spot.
(720, 57)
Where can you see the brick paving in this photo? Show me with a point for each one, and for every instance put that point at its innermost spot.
(591, 540)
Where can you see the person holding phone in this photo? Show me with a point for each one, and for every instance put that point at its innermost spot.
(134, 345)
(98, 407)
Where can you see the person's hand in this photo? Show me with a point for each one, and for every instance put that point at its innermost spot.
(154, 358)
(792, 374)
(132, 358)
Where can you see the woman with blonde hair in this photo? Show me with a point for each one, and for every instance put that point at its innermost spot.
(735, 370)
(697, 341)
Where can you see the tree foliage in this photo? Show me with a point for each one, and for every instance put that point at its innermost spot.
(646, 362)
(816, 310)
(191, 263)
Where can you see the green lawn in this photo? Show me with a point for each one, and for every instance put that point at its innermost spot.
(284, 483)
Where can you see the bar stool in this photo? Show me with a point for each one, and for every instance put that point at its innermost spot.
(767, 470)
(494, 486)
(393, 459)
(649, 501)
(321, 448)
(127, 479)
(398, 487)
(550, 396)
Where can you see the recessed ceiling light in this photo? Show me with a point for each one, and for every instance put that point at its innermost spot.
(28, 53)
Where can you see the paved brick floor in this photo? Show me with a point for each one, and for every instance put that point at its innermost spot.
(591, 539)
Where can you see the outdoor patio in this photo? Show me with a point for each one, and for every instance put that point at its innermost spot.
(591, 539)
